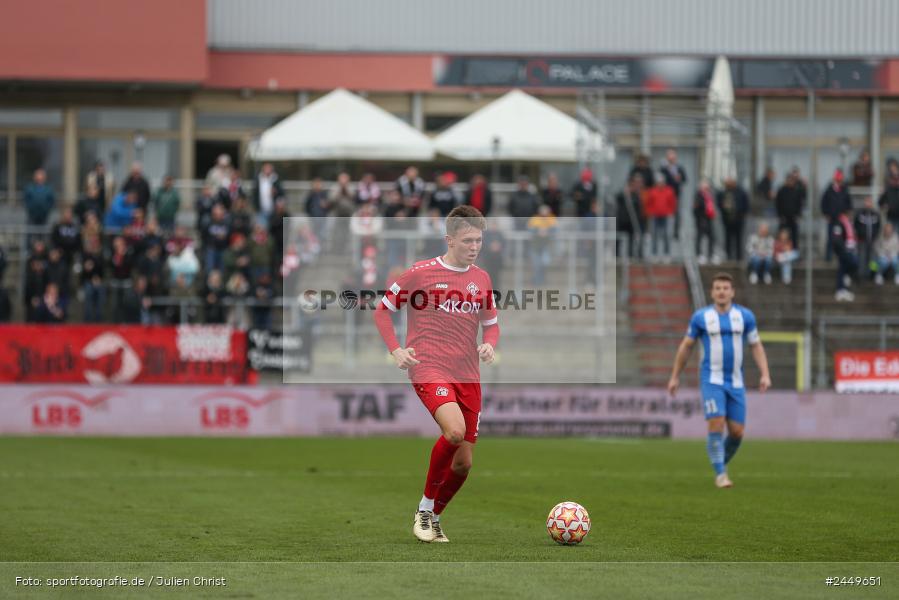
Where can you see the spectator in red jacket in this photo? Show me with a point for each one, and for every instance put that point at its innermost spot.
(660, 205)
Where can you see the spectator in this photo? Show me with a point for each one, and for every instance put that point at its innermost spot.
(845, 246)
(153, 237)
(119, 267)
(59, 273)
(834, 202)
(641, 167)
(412, 190)
(785, 255)
(151, 266)
(35, 278)
(121, 213)
(268, 189)
(342, 196)
(183, 263)
(92, 237)
(90, 202)
(494, 247)
(50, 308)
(39, 199)
(396, 219)
(264, 295)
(276, 231)
(242, 217)
(135, 232)
(236, 258)
(552, 195)
(177, 241)
(238, 290)
(203, 208)
(886, 253)
(765, 193)
(3, 264)
(790, 201)
(104, 184)
(367, 224)
(631, 220)
(213, 295)
(317, 207)
(862, 170)
(289, 269)
(137, 183)
(704, 215)
(216, 238)
(660, 205)
(889, 200)
(523, 204)
(479, 195)
(92, 287)
(219, 176)
(231, 189)
(166, 203)
(867, 230)
(66, 236)
(734, 206)
(444, 197)
(675, 177)
(542, 226)
(584, 193)
(760, 248)
(136, 303)
(261, 250)
(892, 174)
(368, 191)
(182, 292)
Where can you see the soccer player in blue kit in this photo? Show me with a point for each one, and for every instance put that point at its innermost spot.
(723, 327)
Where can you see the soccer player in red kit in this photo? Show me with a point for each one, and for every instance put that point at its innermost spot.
(447, 299)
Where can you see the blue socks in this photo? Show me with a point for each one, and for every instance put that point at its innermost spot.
(731, 445)
(716, 451)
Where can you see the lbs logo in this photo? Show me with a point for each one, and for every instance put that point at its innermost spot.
(229, 410)
(60, 410)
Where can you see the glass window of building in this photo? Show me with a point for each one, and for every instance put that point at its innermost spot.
(30, 118)
(129, 119)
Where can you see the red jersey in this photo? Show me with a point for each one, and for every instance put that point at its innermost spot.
(445, 307)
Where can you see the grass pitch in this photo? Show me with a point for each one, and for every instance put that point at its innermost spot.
(332, 517)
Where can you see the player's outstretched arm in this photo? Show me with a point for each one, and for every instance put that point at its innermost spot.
(761, 361)
(404, 357)
(486, 351)
(680, 361)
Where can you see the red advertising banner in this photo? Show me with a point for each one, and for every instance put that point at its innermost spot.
(120, 354)
(866, 371)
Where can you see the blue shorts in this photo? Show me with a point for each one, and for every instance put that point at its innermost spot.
(724, 401)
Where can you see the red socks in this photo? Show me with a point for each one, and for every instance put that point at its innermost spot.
(441, 463)
(450, 486)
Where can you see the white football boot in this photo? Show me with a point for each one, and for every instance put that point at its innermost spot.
(439, 536)
(422, 526)
(723, 481)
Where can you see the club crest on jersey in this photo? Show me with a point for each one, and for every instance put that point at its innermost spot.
(442, 391)
(473, 289)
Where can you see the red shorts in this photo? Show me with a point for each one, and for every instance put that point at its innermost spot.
(466, 395)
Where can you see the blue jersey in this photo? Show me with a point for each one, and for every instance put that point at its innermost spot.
(723, 337)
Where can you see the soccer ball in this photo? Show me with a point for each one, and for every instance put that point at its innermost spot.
(568, 523)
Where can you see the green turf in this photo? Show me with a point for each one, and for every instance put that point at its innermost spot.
(296, 503)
